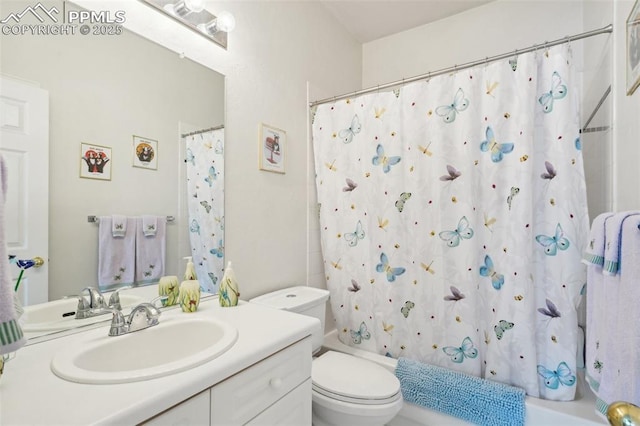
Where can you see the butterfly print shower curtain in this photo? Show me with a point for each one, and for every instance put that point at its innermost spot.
(205, 192)
(453, 216)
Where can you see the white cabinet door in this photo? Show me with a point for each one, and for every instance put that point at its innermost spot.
(24, 142)
(192, 412)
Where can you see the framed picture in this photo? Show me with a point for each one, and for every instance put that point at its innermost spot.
(272, 149)
(633, 49)
(95, 161)
(145, 153)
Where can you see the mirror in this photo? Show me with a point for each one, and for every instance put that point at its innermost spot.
(104, 89)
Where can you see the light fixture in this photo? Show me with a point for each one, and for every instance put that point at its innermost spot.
(193, 14)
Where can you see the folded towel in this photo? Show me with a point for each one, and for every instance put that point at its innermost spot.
(118, 225)
(620, 380)
(612, 245)
(470, 398)
(149, 225)
(150, 251)
(116, 255)
(594, 253)
(11, 337)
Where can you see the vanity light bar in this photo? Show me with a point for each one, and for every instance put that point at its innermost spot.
(196, 18)
(96, 219)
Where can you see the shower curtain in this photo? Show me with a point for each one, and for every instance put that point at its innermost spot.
(205, 192)
(453, 216)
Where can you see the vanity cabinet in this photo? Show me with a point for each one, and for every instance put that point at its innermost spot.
(274, 391)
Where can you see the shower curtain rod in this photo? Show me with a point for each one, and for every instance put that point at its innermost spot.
(197, 132)
(455, 68)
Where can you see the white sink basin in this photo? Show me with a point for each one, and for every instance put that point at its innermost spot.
(174, 345)
(59, 315)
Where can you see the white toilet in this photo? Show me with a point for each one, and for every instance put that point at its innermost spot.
(347, 390)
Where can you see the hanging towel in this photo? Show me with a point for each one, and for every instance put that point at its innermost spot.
(11, 337)
(594, 253)
(612, 245)
(470, 398)
(116, 255)
(118, 225)
(620, 379)
(150, 252)
(149, 225)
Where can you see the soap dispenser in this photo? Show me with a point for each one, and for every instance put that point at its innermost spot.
(189, 295)
(228, 292)
(190, 272)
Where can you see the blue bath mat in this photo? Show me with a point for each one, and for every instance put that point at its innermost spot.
(467, 397)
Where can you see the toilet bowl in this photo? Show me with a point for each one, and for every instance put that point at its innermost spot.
(346, 390)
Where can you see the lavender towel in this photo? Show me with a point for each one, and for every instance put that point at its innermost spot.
(613, 233)
(150, 250)
(594, 253)
(116, 255)
(11, 337)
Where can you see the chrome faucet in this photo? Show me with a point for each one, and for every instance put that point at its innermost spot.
(143, 316)
(87, 306)
(114, 299)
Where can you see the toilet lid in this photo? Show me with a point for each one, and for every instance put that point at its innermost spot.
(348, 376)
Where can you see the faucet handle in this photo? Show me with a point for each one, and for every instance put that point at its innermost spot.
(118, 323)
(114, 299)
(96, 299)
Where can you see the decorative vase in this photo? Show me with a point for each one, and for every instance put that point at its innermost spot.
(169, 290)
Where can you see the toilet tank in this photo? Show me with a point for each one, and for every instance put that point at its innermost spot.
(303, 300)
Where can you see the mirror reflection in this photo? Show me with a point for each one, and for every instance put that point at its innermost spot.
(103, 91)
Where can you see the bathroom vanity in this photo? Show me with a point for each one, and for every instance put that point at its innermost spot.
(263, 378)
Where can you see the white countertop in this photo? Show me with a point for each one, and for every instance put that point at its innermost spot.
(30, 394)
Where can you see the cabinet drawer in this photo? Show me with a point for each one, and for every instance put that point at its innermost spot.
(243, 396)
(294, 409)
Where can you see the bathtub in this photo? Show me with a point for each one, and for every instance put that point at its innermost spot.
(539, 412)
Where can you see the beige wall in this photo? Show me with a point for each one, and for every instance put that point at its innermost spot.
(103, 90)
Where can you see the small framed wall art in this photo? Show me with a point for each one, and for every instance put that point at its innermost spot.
(272, 149)
(95, 161)
(633, 49)
(145, 153)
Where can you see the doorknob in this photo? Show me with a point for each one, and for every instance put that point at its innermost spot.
(38, 261)
(623, 414)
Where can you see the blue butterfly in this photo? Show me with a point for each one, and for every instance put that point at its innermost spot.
(553, 379)
(190, 157)
(353, 237)
(219, 251)
(384, 266)
(449, 112)
(578, 144)
(383, 160)
(212, 277)
(211, 177)
(194, 227)
(501, 327)
(552, 244)
(491, 145)
(558, 91)
(361, 333)
(347, 134)
(497, 280)
(462, 231)
(458, 354)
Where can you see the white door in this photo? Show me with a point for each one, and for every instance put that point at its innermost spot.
(24, 142)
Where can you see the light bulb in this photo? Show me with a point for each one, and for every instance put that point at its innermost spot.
(196, 6)
(225, 22)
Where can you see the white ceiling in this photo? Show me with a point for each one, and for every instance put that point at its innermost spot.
(369, 20)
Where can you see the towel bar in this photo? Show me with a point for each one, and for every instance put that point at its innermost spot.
(96, 219)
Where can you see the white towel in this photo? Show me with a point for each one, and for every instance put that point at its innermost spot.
(594, 252)
(620, 378)
(118, 225)
(11, 337)
(149, 225)
(612, 245)
(116, 255)
(150, 252)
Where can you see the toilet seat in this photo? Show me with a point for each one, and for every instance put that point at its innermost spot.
(347, 378)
